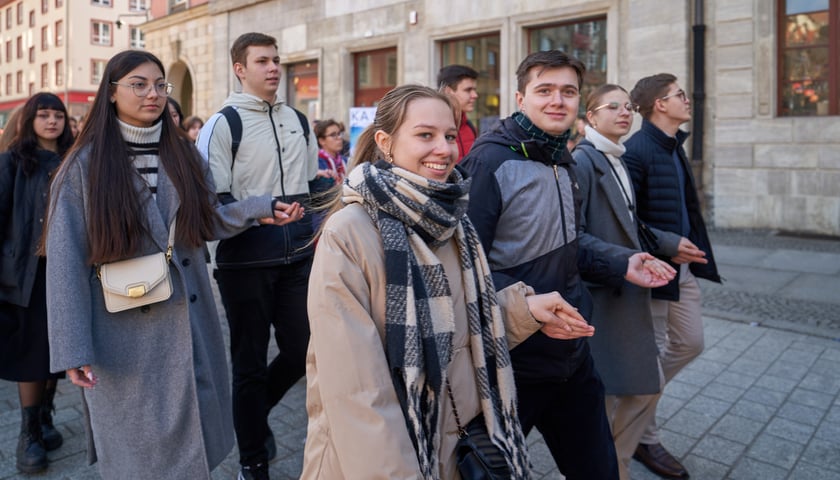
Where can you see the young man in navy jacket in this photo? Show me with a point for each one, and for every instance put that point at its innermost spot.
(666, 198)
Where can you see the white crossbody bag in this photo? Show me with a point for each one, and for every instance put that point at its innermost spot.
(135, 282)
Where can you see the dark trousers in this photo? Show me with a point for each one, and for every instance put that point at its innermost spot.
(255, 299)
(571, 416)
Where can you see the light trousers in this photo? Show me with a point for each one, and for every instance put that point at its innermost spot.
(678, 327)
(629, 417)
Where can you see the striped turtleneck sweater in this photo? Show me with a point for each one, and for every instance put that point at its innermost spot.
(144, 150)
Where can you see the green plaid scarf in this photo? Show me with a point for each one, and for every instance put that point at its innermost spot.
(415, 215)
(554, 146)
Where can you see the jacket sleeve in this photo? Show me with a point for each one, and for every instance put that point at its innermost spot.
(519, 323)
(236, 216)
(353, 378)
(485, 205)
(7, 181)
(599, 261)
(214, 144)
(668, 242)
(69, 274)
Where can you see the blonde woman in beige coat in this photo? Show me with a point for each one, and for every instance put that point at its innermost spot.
(407, 329)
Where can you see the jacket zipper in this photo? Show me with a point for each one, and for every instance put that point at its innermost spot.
(286, 238)
(562, 208)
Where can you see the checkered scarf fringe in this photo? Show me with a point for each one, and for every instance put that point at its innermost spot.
(414, 216)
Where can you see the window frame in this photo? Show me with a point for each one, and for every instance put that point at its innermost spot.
(833, 77)
(59, 33)
(102, 3)
(133, 42)
(93, 62)
(94, 35)
(45, 75)
(45, 37)
(59, 73)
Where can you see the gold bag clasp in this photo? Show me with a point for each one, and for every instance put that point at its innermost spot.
(137, 291)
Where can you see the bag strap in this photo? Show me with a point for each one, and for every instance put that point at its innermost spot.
(462, 432)
(171, 241)
(235, 124)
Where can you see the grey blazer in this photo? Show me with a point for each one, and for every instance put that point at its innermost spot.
(162, 404)
(624, 346)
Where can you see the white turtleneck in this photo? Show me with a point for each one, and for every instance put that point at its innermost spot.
(613, 151)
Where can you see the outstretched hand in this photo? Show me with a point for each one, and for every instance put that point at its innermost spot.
(647, 271)
(283, 213)
(82, 376)
(558, 317)
(687, 252)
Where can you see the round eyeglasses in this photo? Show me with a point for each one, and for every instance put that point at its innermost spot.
(141, 89)
(679, 93)
(615, 106)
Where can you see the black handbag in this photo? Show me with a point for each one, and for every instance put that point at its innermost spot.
(477, 457)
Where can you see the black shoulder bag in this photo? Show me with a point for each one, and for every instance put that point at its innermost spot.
(478, 458)
(647, 239)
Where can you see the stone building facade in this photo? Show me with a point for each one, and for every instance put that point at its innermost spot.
(755, 167)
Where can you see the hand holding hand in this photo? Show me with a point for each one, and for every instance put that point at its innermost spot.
(283, 213)
(687, 252)
(647, 271)
(559, 319)
(82, 376)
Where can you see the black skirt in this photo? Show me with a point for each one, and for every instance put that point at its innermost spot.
(24, 347)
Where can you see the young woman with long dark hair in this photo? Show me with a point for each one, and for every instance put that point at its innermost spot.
(161, 403)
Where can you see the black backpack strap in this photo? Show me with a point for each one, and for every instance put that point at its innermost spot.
(304, 123)
(235, 124)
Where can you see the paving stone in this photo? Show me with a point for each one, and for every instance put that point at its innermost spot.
(692, 424)
(753, 410)
(812, 398)
(748, 366)
(833, 414)
(718, 449)
(675, 442)
(785, 369)
(822, 382)
(825, 367)
(736, 379)
(790, 430)
(695, 377)
(750, 469)
(668, 406)
(679, 389)
(699, 467)
(775, 450)
(721, 354)
(804, 470)
(737, 428)
(823, 453)
(702, 364)
(765, 396)
(708, 406)
(721, 391)
(797, 412)
(778, 384)
(828, 431)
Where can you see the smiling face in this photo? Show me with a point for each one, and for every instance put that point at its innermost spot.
(139, 111)
(610, 122)
(48, 126)
(260, 75)
(425, 142)
(551, 99)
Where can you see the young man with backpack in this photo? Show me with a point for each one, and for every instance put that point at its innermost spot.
(256, 145)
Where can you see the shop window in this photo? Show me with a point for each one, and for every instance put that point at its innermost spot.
(303, 87)
(809, 67)
(375, 74)
(482, 54)
(584, 39)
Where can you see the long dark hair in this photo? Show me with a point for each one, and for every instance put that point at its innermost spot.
(115, 218)
(25, 144)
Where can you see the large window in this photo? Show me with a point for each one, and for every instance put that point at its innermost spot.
(585, 39)
(45, 75)
(59, 33)
(101, 3)
(302, 87)
(45, 37)
(100, 33)
(809, 57)
(482, 54)
(137, 5)
(59, 73)
(375, 74)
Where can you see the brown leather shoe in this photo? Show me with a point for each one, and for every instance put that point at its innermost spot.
(659, 461)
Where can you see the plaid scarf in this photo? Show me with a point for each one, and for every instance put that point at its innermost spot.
(414, 216)
(553, 145)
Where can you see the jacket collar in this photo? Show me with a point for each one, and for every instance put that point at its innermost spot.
(662, 138)
(521, 142)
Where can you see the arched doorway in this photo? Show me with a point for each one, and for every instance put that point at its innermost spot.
(180, 76)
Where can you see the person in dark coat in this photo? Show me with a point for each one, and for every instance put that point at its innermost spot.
(25, 169)
(624, 349)
(162, 405)
(667, 199)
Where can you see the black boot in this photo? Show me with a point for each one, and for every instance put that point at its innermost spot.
(31, 455)
(51, 436)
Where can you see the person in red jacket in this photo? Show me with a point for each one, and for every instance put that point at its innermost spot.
(459, 81)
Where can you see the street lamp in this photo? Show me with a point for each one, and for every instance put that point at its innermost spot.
(119, 23)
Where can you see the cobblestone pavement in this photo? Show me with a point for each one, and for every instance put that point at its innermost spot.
(761, 402)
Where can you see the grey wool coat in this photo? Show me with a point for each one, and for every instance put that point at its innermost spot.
(624, 346)
(162, 404)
